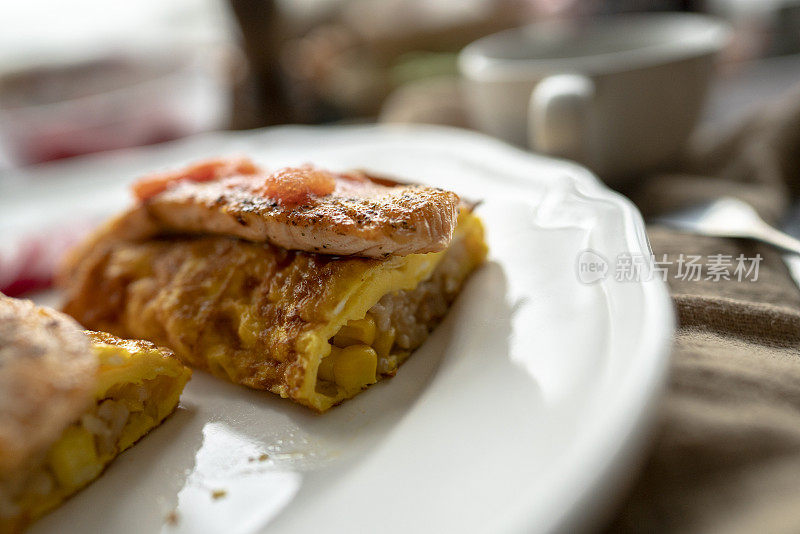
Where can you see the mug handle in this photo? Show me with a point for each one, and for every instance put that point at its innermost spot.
(560, 121)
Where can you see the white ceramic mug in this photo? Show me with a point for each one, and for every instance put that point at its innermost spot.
(620, 94)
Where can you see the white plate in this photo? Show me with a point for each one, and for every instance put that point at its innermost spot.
(523, 411)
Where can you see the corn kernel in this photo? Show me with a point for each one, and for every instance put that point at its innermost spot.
(355, 366)
(383, 342)
(137, 426)
(73, 459)
(354, 332)
(325, 369)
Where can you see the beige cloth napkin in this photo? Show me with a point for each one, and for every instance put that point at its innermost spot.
(726, 454)
(726, 457)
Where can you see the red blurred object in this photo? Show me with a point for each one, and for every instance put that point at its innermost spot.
(29, 262)
(25, 272)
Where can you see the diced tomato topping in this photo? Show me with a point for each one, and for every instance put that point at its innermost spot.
(294, 185)
(203, 171)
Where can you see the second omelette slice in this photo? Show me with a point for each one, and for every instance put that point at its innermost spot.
(70, 402)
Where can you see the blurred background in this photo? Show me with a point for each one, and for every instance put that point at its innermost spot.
(87, 76)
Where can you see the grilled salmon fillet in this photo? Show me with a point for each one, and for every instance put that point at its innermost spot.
(303, 208)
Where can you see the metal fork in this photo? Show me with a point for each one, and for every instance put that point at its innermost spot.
(730, 217)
